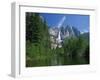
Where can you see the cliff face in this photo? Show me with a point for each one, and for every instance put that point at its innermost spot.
(57, 35)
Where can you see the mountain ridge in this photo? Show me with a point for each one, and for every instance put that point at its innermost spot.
(58, 35)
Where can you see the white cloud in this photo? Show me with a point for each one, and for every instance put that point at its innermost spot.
(61, 22)
(84, 31)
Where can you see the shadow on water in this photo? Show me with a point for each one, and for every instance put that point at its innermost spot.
(76, 61)
(70, 60)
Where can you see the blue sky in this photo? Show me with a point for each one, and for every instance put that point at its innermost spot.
(81, 22)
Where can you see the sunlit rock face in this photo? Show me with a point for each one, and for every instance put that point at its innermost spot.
(60, 32)
(57, 35)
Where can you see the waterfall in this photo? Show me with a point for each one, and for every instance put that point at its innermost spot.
(58, 40)
(59, 37)
(72, 31)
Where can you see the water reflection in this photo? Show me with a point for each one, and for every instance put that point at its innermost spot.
(58, 60)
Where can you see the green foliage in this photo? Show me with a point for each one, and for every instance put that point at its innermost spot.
(37, 41)
(74, 50)
(86, 54)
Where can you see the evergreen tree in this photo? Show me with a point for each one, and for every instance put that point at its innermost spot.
(37, 41)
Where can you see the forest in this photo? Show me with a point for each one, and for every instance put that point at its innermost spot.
(74, 50)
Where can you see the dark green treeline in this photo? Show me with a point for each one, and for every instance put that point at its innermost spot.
(38, 46)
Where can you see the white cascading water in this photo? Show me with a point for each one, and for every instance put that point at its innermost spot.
(59, 38)
(59, 33)
(72, 31)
